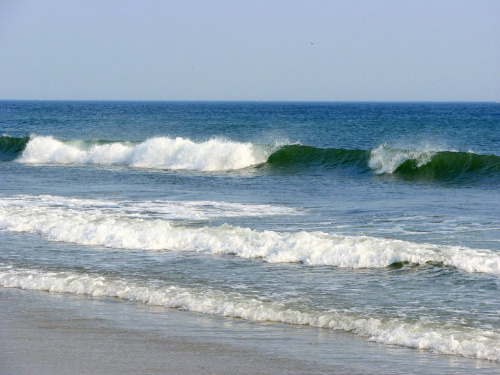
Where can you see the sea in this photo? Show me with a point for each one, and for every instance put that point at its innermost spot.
(379, 222)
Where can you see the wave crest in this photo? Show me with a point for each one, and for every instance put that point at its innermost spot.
(223, 155)
(410, 165)
(10, 147)
(122, 230)
(433, 165)
(472, 343)
(386, 160)
(161, 153)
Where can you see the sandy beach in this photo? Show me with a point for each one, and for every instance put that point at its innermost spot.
(48, 333)
(51, 337)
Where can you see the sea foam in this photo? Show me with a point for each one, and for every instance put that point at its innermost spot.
(160, 153)
(385, 159)
(451, 340)
(166, 209)
(122, 230)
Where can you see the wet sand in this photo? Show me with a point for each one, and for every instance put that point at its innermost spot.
(48, 333)
(50, 338)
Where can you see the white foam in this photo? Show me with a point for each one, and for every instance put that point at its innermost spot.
(385, 159)
(166, 209)
(160, 153)
(122, 231)
(451, 340)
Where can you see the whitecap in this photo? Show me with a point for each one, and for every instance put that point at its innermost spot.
(159, 153)
(432, 336)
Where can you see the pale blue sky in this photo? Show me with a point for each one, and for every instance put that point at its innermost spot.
(377, 50)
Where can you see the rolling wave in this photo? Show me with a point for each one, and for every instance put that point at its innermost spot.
(299, 156)
(159, 153)
(121, 229)
(433, 165)
(386, 160)
(439, 338)
(11, 147)
(224, 155)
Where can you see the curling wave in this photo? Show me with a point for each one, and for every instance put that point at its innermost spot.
(307, 156)
(160, 153)
(11, 147)
(433, 165)
(224, 155)
(385, 160)
(450, 340)
(120, 229)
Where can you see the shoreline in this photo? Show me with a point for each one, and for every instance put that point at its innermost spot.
(56, 337)
(51, 333)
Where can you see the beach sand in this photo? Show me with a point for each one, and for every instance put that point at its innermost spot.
(49, 333)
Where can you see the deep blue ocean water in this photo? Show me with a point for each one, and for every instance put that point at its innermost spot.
(380, 219)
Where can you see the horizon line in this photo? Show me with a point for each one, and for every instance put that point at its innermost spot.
(246, 101)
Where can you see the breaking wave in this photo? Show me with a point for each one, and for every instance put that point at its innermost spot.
(433, 165)
(160, 153)
(224, 155)
(11, 147)
(432, 336)
(385, 160)
(121, 229)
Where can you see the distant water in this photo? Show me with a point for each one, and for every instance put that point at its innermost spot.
(381, 219)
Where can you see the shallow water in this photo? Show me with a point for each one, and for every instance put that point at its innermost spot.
(104, 336)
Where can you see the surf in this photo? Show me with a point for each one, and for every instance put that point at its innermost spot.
(157, 153)
(384, 160)
(12, 147)
(444, 339)
(222, 155)
(119, 228)
(453, 166)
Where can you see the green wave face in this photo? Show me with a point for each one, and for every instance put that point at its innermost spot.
(303, 157)
(385, 161)
(452, 166)
(12, 147)
(412, 165)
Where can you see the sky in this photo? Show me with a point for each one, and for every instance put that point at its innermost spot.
(278, 50)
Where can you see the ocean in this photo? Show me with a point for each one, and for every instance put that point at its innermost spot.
(375, 221)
